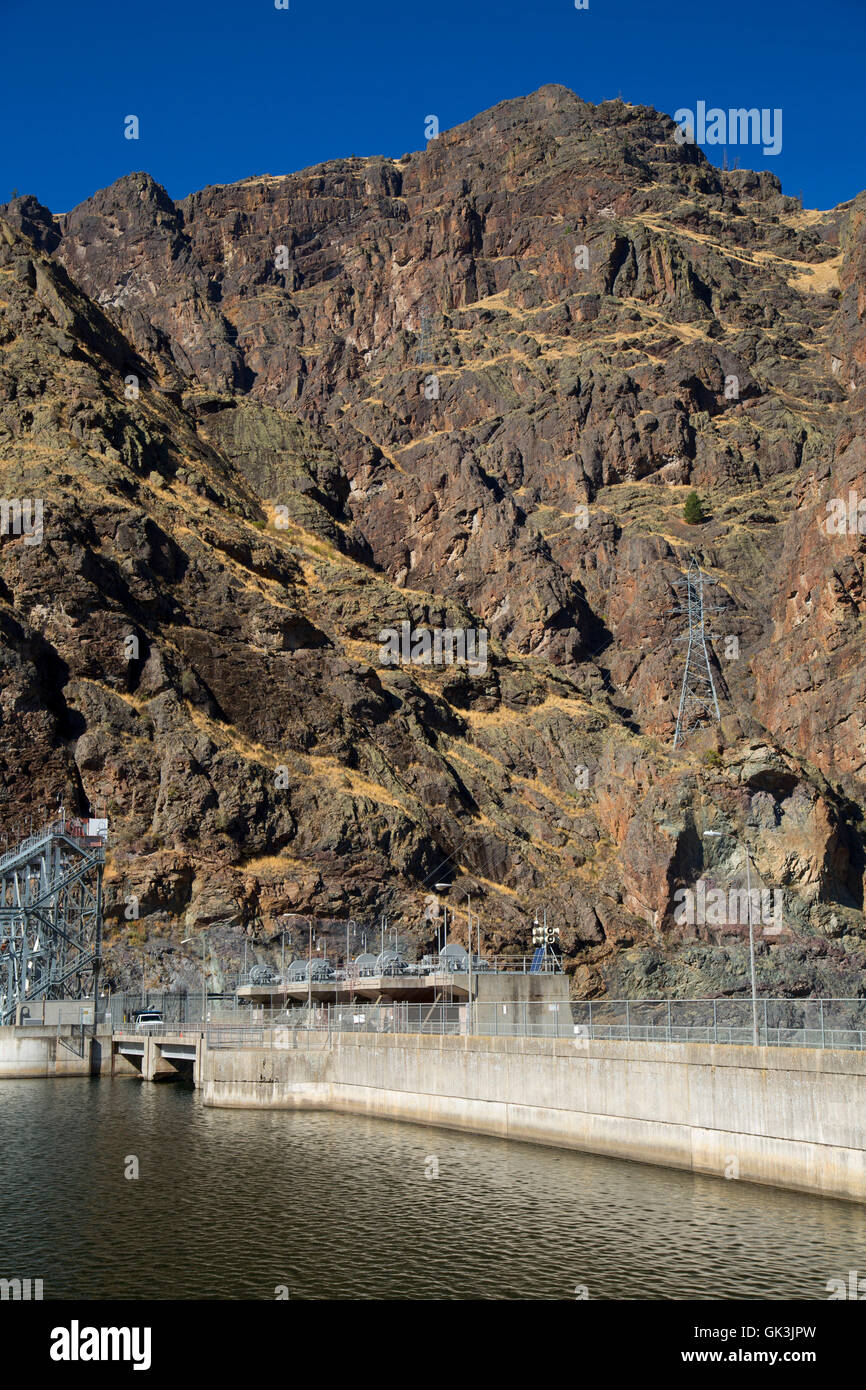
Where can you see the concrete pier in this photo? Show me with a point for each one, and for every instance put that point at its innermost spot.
(790, 1117)
(165, 1057)
(35, 1051)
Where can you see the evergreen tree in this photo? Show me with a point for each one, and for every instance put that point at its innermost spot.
(693, 511)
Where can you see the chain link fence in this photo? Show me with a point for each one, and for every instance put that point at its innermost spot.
(818, 1023)
(814, 1023)
(769, 1022)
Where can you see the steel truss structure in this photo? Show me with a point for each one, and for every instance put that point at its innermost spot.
(51, 915)
(698, 702)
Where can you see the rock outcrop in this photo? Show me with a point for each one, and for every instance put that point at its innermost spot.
(466, 390)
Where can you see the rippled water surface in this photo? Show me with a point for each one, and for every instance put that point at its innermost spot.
(232, 1204)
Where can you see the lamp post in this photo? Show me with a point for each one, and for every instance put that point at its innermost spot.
(353, 924)
(469, 981)
(443, 888)
(717, 834)
(310, 973)
(185, 942)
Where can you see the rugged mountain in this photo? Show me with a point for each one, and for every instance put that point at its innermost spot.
(466, 389)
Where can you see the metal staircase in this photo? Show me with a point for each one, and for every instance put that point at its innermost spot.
(51, 914)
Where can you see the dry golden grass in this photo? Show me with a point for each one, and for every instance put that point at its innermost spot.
(801, 275)
(495, 888)
(809, 217)
(270, 863)
(422, 438)
(132, 701)
(349, 782)
(818, 279)
(226, 736)
(506, 714)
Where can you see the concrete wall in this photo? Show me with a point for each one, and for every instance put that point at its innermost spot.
(536, 989)
(791, 1117)
(31, 1051)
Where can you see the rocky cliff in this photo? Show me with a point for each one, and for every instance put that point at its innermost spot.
(467, 390)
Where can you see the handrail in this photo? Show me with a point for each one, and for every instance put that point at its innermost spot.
(819, 1026)
(48, 832)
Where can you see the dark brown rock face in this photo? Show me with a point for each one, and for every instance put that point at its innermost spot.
(467, 391)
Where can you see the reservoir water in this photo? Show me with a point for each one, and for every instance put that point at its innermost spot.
(238, 1204)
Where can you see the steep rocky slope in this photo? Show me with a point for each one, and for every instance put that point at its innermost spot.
(469, 388)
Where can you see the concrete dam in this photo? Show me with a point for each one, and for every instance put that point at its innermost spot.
(790, 1117)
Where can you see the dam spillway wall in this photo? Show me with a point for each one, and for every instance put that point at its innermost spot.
(790, 1117)
(36, 1051)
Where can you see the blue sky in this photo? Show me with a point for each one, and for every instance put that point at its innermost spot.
(225, 89)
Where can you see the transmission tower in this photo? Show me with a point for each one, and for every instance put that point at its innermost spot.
(698, 702)
(51, 914)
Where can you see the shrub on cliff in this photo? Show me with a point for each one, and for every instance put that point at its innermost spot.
(693, 511)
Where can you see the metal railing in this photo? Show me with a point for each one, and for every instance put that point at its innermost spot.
(771, 1022)
(812, 1023)
(312, 1028)
(175, 1007)
(69, 826)
(76, 1038)
(193, 1029)
(239, 1036)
